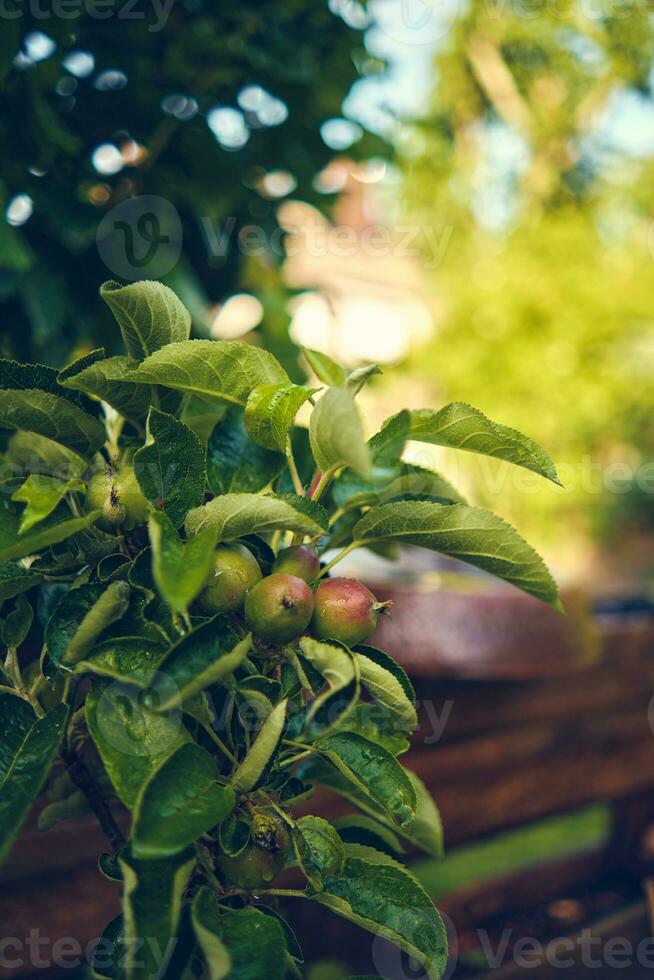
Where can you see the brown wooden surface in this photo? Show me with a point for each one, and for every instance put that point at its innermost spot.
(492, 633)
(511, 751)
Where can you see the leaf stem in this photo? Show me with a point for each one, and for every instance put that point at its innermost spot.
(295, 476)
(323, 482)
(346, 551)
(283, 892)
(295, 758)
(219, 743)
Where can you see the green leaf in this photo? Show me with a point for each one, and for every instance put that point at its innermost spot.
(253, 940)
(386, 689)
(181, 801)
(42, 494)
(15, 579)
(263, 750)
(425, 832)
(129, 659)
(236, 464)
(373, 771)
(332, 660)
(98, 377)
(170, 468)
(319, 849)
(378, 894)
(336, 664)
(53, 417)
(468, 533)
(132, 741)
(16, 625)
(415, 481)
(324, 368)
(221, 369)
(50, 531)
(79, 619)
(180, 568)
(109, 953)
(27, 749)
(236, 515)
(358, 828)
(149, 315)
(210, 653)
(21, 377)
(152, 907)
(427, 828)
(206, 925)
(32, 452)
(460, 426)
(270, 411)
(336, 434)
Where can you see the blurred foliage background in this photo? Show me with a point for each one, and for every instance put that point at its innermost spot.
(513, 139)
(218, 109)
(536, 150)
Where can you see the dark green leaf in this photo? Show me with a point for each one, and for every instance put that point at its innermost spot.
(34, 453)
(170, 468)
(15, 626)
(253, 940)
(357, 828)
(380, 895)
(110, 951)
(27, 748)
(236, 515)
(210, 653)
(98, 377)
(181, 801)
(460, 426)
(152, 906)
(180, 568)
(15, 579)
(149, 315)
(132, 741)
(270, 412)
(129, 659)
(319, 849)
(468, 533)
(236, 464)
(55, 528)
(373, 771)
(206, 919)
(385, 687)
(53, 417)
(79, 619)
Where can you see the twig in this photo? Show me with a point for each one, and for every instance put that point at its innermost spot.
(84, 781)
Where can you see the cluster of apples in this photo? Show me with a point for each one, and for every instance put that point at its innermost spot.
(283, 605)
